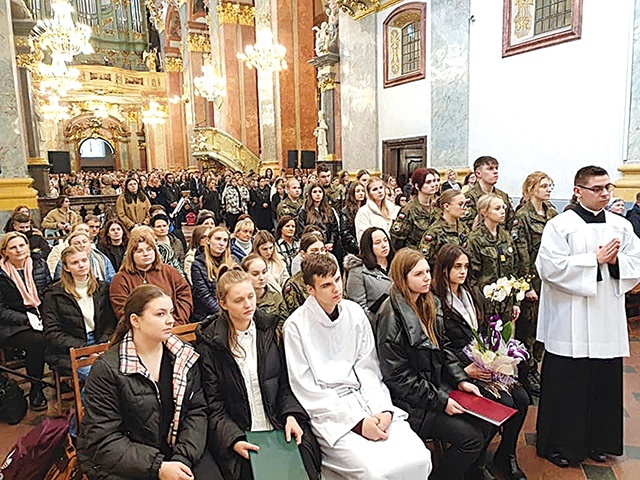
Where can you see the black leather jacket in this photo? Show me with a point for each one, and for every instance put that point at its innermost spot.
(418, 373)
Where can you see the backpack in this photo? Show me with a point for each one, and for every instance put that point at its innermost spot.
(33, 454)
(13, 404)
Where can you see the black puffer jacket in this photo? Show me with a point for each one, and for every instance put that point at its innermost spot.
(227, 398)
(64, 324)
(115, 254)
(205, 302)
(120, 434)
(418, 373)
(13, 312)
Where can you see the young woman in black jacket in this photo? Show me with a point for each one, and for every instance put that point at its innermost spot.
(420, 371)
(76, 311)
(113, 242)
(356, 198)
(23, 280)
(463, 310)
(145, 413)
(245, 381)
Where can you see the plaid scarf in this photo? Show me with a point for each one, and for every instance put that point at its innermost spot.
(185, 358)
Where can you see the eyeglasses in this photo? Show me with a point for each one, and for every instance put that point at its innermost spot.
(609, 187)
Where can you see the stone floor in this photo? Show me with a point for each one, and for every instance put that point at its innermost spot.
(626, 467)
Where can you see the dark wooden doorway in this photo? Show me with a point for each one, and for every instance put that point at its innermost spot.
(401, 156)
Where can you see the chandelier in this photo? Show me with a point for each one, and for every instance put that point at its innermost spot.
(53, 111)
(154, 114)
(60, 35)
(264, 54)
(58, 79)
(210, 84)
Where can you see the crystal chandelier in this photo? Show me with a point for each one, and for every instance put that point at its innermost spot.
(154, 114)
(58, 79)
(53, 111)
(60, 35)
(264, 54)
(210, 84)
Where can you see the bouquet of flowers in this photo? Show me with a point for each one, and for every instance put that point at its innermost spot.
(497, 351)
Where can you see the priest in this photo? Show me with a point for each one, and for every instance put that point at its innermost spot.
(588, 260)
(334, 373)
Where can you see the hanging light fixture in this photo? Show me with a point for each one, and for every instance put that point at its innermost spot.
(58, 79)
(61, 35)
(154, 114)
(264, 54)
(210, 84)
(53, 111)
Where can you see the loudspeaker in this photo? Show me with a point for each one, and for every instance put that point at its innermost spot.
(60, 162)
(292, 158)
(308, 159)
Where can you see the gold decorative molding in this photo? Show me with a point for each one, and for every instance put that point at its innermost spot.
(110, 130)
(234, 13)
(629, 184)
(361, 8)
(327, 83)
(197, 42)
(17, 191)
(37, 161)
(209, 143)
(173, 64)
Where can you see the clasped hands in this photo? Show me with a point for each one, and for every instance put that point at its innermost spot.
(375, 428)
(608, 253)
(291, 427)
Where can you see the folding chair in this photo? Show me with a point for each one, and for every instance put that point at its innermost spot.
(83, 357)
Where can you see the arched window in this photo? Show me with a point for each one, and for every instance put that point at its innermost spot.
(404, 44)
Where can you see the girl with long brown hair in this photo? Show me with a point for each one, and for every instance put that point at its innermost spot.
(355, 199)
(264, 244)
(378, 211)
(245, 381)
(317, 211)
(145, 412)
(420, 372)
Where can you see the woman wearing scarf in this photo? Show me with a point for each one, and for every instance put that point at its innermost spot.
(22, 284)
(145, 413)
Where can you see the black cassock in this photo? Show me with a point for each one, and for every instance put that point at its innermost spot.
(580, 409)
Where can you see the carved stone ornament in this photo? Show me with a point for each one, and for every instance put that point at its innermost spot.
(234, 13)
(173, 64)
(197, 42)
(93, 127)
(327, 83)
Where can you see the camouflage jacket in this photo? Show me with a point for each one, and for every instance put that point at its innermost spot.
(411, 223)
(491, 257)
(527, 233)
(440, 233)
(472, 199)
(294, 291)
(289, 207)
(334, 194)
(273, 304)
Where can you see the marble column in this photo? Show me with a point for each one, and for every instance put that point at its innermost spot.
(15, 184)
(327, 66)
(629, 184)
(449, 68)
(270, 147)
(219, 108)
(358, 93)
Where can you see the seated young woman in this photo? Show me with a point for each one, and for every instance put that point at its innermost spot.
(242, 240)
(264, 244)
(76, 311)
(368, 279)
(245, 381)
(268, 297)
(145, 412)
(463, 312)
(420, 371)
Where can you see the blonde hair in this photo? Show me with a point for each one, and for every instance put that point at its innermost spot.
(244, 224)
(77, 234)
(212, 263)
(140, 235)
(66, 279)
(4, 243)
(230, 276)
(424, 307)
(531, 182)
(483, 205)
(262, 238)
(383, 207)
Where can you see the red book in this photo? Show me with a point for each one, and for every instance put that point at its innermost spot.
(481, 407)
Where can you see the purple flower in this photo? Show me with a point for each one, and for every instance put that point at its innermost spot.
(515, 349)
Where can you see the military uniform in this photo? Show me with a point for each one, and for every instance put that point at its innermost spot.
(493, 258)
(334, 195)
(411, 223)
(273, 303)
(294, 291)
(474, 195)
(442, 232)
(527, 234)
(289, 207)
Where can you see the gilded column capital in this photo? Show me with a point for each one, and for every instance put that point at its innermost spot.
(198, 42)
(233, 13)
(173, 64)
(327, 83)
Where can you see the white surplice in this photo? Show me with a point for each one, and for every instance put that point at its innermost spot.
(581, 317)
(334, 373)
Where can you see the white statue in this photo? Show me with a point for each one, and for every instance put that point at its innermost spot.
(321, 135)
(323, 38)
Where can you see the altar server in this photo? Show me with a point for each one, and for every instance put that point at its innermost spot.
(334, 373)
(588, 259)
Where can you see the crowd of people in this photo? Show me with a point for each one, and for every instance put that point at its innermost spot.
(372, 287)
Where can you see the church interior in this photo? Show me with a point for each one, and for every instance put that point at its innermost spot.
(382, 85)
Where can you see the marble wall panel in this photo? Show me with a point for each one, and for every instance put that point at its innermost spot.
(449, 83)
(359, 111)
(633, 147)
(249, 94)
(176, 135)
(307, 74)
(13, 149)
(231, 122)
